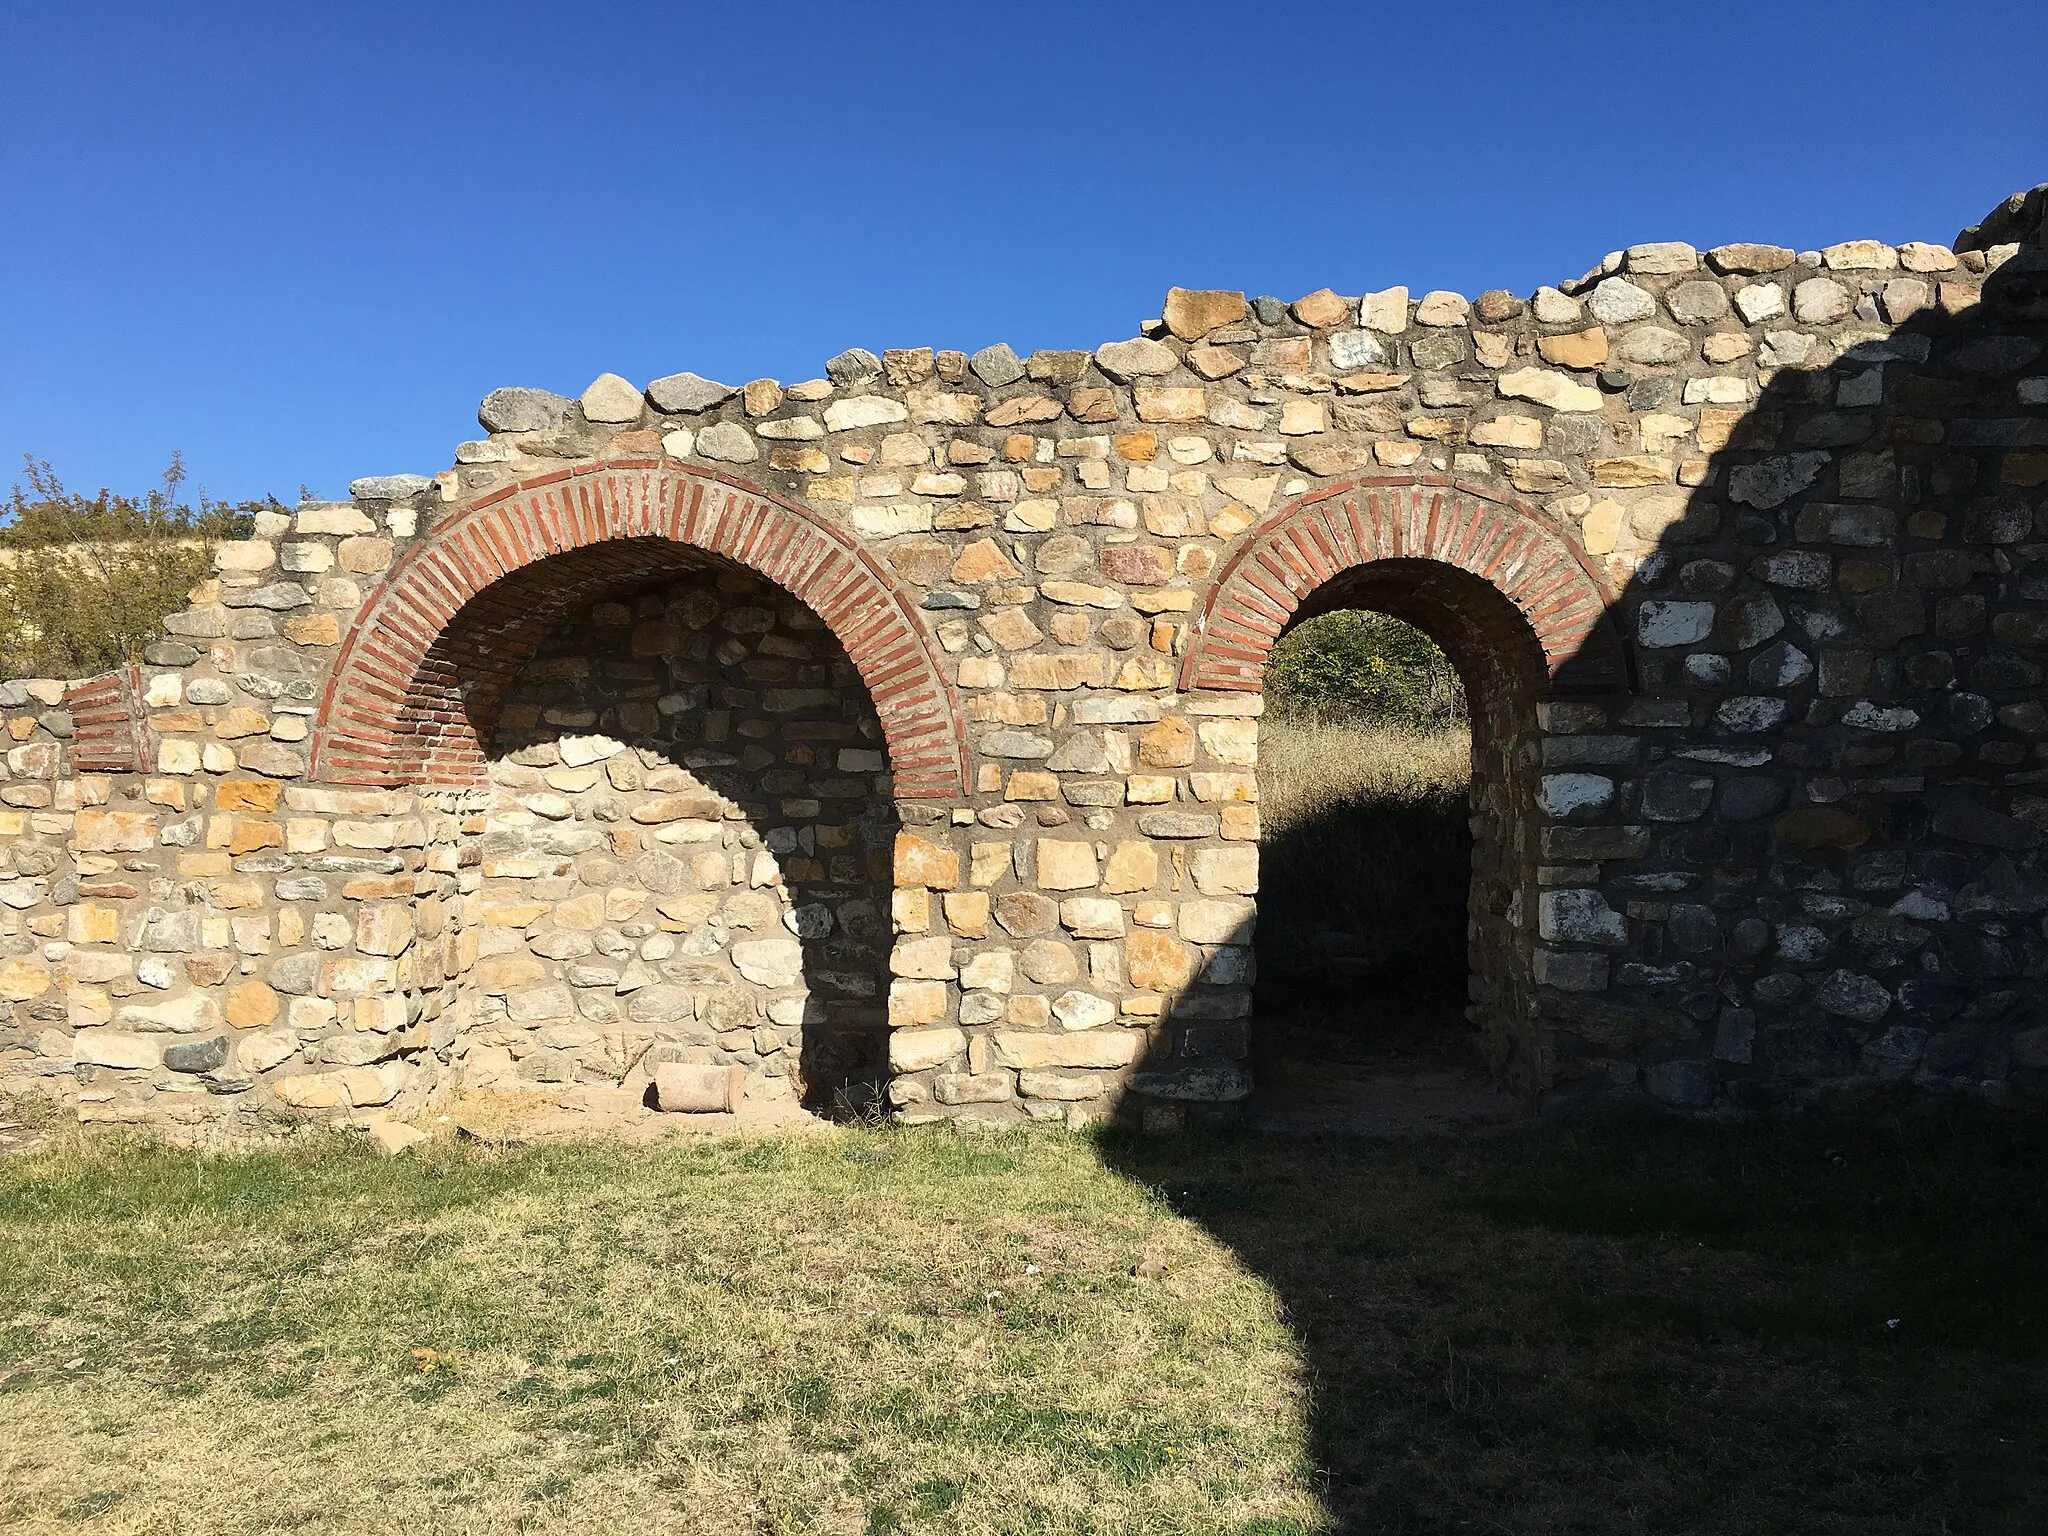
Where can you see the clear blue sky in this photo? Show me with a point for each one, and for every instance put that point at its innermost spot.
(298, 242)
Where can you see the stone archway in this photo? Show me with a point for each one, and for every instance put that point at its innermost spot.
(1295, 551)
(424, 668)
(1524, 617)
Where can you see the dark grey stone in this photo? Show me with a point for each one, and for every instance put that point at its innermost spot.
(997, 365)
(1215, 1083)
(1851, 996)
(1177, 824)
(1682, 1084)
(1735, 1036)
(1693, 929)
(1648, 394)
(1751, 797)
(1968, 822)
(197, 1055)
(1748, 939)
(1780, 989)
(1676, 796)
(853, 366)
(1899, 1046)
(1993, 357)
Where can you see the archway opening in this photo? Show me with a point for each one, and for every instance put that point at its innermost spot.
(1395, 766)
(683, 841)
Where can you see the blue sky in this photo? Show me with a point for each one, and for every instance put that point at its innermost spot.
(299, 242)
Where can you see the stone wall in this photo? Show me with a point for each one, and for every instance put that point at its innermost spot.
(1743, 556)
(687, 852)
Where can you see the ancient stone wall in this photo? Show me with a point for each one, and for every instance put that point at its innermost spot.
(689, 832)
(586, 752)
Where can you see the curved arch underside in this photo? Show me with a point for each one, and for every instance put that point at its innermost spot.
(1295, 553)
(418, 682)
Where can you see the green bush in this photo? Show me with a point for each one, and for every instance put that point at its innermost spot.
(1364, 666)
(85, 582)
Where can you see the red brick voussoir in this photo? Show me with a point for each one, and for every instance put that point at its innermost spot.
(421, 672)
(1310, 541)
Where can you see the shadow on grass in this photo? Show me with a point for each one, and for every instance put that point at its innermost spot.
(1632, 1325)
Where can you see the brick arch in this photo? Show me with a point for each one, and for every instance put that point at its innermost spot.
(440, 638)
(1351, 528)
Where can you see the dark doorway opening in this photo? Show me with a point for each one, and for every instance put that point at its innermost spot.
(1366, 883)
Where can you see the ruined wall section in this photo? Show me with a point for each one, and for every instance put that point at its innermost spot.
(1785, 838)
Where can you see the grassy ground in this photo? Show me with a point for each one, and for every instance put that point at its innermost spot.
(1628, 1328)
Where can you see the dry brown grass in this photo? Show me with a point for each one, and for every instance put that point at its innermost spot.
(1311, 768)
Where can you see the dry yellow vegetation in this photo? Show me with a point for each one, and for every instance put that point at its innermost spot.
(1311, 768)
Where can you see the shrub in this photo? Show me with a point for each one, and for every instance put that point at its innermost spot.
(1364, 666)
(85, 582)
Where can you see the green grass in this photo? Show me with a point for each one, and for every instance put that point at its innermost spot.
(1613, 1327)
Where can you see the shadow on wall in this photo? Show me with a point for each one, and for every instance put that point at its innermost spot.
(1807, 848)
(690, 791)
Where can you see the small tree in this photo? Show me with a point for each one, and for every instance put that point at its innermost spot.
(85, 582)
(1365, 666)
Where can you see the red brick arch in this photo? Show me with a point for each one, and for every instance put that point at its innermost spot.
(1309, 542)
(441, 637)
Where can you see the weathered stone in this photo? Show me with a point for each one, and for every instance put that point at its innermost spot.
(919, 862)
(1192, 314)
(1855, 997)
(856, 365)
(996, 365)
(1820, 301)
(1616, 301)
(382, 488)
(916, 1050)
(1211, 1082)
(522, 410)
(1965, 821)
(1575, 349)
(611, 399)
(1750, 260)
(1135, 359)
(1579, 917)
(686, 394)
(1557, 390)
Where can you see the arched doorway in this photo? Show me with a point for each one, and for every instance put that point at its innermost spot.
(1524, 619)
(659, 723)
(414, 689)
